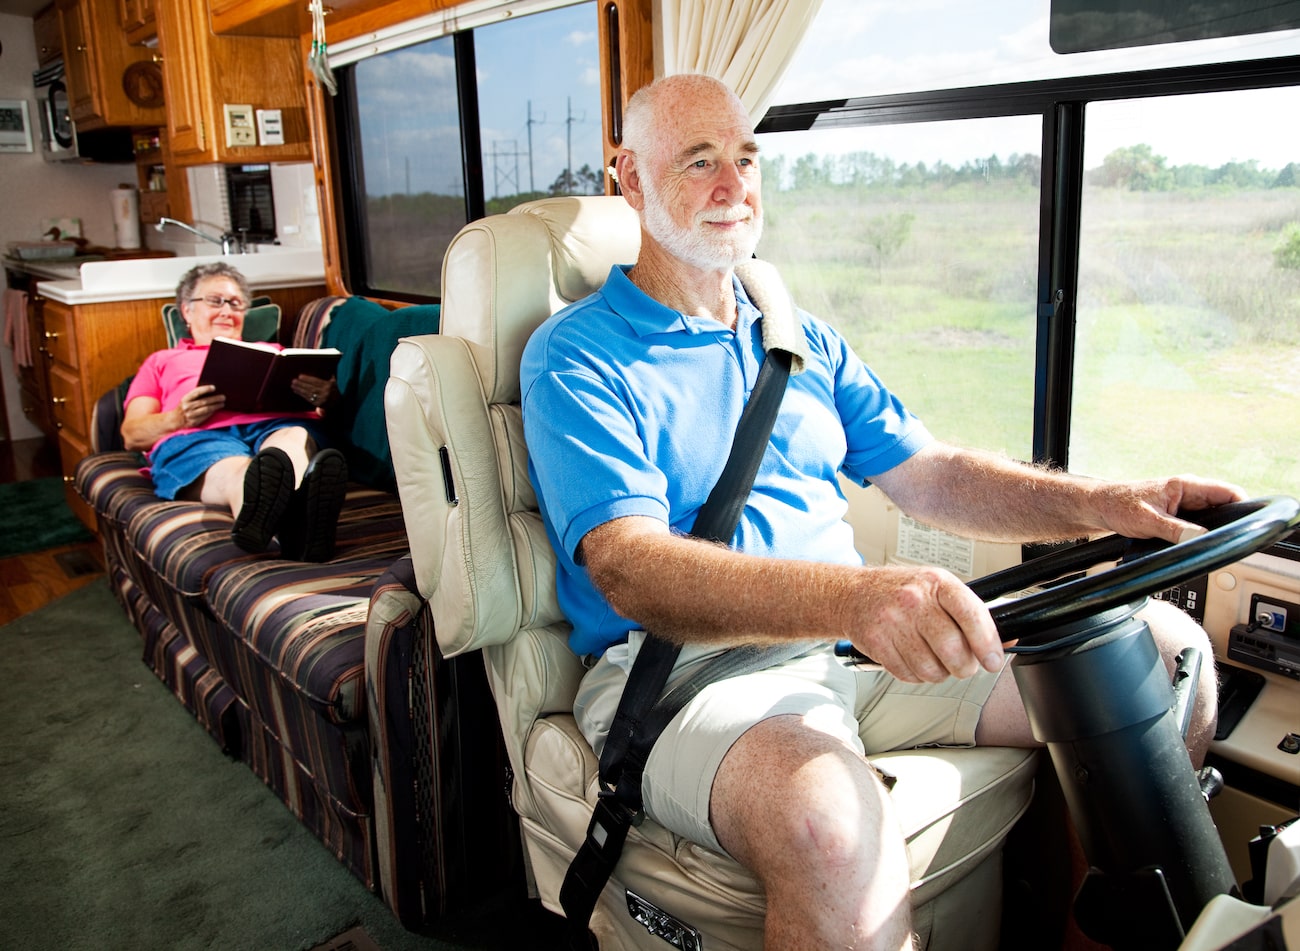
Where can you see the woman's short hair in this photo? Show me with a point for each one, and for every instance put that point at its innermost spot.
(201, 272)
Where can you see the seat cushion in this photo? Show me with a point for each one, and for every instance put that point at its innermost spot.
(301, 627)
(955, 807)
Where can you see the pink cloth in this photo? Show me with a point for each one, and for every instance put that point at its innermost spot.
(167, 375)
(16, 330)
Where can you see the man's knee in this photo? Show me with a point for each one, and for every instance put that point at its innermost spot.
(790, 793)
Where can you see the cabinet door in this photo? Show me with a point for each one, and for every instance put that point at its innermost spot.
(78, 59)
(97, 58)
(34, 380)
(137, 19)
(49, 42)
(184, 83)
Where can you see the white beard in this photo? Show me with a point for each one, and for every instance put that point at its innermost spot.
(697, 245)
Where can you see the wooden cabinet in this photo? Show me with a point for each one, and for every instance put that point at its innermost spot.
(204, 72)
(164, 188)
(49, 42)
(86, 350)
(96, 57)
(137, 19)
(33, 382)
(261, 17)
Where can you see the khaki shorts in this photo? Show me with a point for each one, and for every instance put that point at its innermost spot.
(865, 707)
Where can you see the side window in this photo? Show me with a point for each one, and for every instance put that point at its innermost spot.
(919, 244)
(539, 107)
(411, 192)
(447, 128)
(1089, 259)
(1188, 348)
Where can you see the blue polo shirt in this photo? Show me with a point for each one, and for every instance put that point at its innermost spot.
(630, 408)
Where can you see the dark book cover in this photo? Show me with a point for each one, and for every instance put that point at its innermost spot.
(255, 378)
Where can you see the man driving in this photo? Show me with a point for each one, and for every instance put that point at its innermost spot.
(631, 399)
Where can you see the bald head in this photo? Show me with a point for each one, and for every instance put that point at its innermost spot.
(652, 105)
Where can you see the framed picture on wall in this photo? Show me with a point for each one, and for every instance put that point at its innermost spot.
(15, 129)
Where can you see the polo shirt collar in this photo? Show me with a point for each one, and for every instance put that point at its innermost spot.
(647, 316)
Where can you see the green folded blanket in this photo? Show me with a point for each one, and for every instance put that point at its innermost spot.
(366, 333)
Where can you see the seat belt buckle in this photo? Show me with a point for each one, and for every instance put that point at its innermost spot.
(610, 821)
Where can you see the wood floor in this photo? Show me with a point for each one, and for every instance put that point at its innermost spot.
(30, 581)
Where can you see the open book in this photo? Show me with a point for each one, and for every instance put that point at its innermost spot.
(255, 377)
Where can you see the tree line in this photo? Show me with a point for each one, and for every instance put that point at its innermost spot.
(1135, 168)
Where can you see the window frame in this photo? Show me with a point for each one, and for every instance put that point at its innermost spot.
(1061, 104)
(350, 188)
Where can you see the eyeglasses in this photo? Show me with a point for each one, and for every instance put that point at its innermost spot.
(216, 301)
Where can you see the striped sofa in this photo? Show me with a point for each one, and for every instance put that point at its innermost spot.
(274, 658)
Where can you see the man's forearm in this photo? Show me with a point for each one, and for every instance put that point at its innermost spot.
(690, 590)
(988, 497)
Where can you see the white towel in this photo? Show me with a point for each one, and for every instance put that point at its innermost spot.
(16, 336)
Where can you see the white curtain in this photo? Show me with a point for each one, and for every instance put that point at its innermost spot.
(746, 43)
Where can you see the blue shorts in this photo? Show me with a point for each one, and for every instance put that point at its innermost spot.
(180, 460)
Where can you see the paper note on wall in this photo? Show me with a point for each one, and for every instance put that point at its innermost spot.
(933, 546)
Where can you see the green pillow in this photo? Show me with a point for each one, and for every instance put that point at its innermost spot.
(261, 322)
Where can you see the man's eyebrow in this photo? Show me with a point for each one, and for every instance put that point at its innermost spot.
(688, 154)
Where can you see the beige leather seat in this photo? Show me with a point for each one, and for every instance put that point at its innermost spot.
(484, 563)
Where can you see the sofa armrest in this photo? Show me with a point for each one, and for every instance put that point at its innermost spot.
(438, 761)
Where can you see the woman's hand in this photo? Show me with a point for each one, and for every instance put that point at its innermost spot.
(319, 393)
(198, 405)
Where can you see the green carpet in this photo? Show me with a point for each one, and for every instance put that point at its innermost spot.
(122, 825)
(37, 517)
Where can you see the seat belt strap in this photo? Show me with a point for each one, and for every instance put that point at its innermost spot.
(644, 710)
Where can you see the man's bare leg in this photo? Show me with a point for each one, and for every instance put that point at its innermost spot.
(811, 819)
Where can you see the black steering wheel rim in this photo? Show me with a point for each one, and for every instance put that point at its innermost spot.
(1145, 566)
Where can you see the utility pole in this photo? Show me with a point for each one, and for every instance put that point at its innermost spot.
(532, 187)
(502, 171)
(568, 134)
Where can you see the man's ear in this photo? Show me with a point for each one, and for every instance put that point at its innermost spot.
(629, 179)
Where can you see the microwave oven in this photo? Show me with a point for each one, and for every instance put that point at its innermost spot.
(60, 140)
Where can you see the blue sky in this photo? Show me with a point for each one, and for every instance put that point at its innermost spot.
(856, 47)
(409, 117)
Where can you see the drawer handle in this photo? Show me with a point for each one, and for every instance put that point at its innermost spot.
(58, 425)
(51, 335)
(58, 400)
(68, 480)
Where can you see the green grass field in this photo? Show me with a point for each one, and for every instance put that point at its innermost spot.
(1189, 334)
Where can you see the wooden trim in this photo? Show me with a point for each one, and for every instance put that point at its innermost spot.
(633, 50)
(635, 45)
(322, 161)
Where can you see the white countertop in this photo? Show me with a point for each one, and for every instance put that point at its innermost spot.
(148, 278)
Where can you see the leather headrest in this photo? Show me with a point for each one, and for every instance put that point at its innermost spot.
(505, 274)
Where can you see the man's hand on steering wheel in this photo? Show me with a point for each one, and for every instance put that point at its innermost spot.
(1149, 509)
(922, 624)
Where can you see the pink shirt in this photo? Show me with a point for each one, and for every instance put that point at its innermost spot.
(167, 375)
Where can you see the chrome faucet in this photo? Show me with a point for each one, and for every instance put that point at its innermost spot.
(230, 242)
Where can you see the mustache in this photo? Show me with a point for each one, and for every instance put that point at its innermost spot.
(734, 213)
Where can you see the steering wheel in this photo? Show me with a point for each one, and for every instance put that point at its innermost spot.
(1145, 566)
